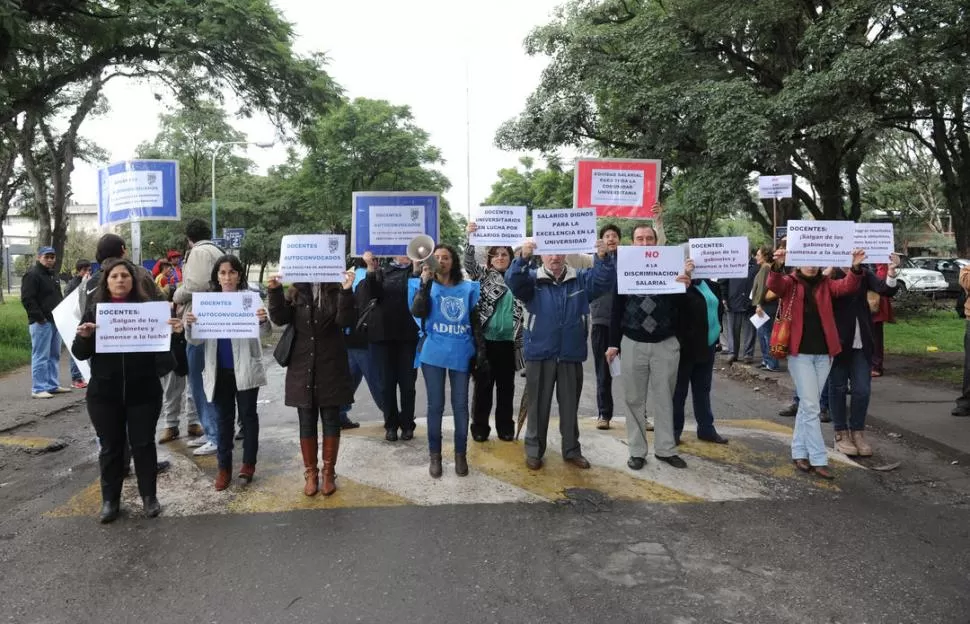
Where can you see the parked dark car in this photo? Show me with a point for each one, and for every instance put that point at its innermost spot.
(949, 267)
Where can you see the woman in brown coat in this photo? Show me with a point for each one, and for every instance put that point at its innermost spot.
(318, 376)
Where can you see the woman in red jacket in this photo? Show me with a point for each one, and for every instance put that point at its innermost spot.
(813, 342)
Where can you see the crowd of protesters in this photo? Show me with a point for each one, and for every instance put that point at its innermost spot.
(472, 325)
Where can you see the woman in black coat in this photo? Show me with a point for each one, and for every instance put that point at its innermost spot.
(700, 329)
(318, 375)
(124, 396)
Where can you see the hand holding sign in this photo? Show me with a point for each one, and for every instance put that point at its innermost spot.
(85, 330)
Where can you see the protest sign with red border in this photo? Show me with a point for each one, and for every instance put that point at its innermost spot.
(617, 187)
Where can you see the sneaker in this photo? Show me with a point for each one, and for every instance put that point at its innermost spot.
(603, 424)
(42, 395)
(844, 444)
(197, 442)
(196, 430)
(80, 384)
(790, 411)
(206, 449)
(60, 390)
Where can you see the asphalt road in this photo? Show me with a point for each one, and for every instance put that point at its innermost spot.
(738, 537)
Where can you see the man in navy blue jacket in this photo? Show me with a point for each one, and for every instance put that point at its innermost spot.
(557, 298)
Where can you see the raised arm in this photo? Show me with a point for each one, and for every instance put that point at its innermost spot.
(601, 279)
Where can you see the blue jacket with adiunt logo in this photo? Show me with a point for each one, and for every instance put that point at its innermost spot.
(558, 324)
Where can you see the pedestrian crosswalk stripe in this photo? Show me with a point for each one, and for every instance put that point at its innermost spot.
(375, 473)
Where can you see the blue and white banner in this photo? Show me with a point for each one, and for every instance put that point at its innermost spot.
(384, 223)
(139, 190)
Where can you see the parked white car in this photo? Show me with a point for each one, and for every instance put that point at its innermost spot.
(915, 279)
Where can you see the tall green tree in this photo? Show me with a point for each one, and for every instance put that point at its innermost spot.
(528, 186)
(767, 86)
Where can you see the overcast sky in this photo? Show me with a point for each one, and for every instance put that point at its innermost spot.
(410, 52)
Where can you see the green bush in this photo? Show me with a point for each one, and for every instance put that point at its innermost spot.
(14, 338)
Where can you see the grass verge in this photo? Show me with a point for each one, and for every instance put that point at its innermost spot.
(14, 338)
(937, 330)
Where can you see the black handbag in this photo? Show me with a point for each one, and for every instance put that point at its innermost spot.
(284, 348)
(181, 366)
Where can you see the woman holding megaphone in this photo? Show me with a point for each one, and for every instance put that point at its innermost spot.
(447, 305)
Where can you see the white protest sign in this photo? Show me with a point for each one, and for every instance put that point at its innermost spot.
(225, 315)
(774, 187)
(564, 231)
(616, 187)
(499, 225)
(719, 258)
(313, 258)
(394, 225)
(66, 318)
(133, 327)
(876, 239)
(820, 243)
(649, 270)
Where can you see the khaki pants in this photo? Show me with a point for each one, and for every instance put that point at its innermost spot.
(649, 379)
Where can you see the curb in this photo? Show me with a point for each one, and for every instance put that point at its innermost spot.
(949, 453)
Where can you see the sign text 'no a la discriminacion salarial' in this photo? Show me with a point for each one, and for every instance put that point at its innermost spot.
(649, 270)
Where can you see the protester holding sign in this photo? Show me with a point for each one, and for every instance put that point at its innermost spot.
(500, 315)
(124, 396)
(813, 341)
(448, 305)
(600, 313)
(853, 365)
(644, 328)
(234, 372)
(318, 379)
(557, 298)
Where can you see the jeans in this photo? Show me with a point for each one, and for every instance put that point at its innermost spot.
(227, 398)
(75, 371)
(363, 365)
(764, 339)
(698, 375)
(599, 342)
(434, 382)
(809, 372)
(853, 367)
(328, 415)
(823, 400)
(208, 415)
(45, 357)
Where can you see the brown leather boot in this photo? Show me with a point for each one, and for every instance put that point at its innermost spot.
(246, 472)
(223, 479)
(331, 444)
(308, 447)
(461, 465)
(434, 468)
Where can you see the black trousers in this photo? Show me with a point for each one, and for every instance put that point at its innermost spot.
(599, 342)
(501, 379)
(330, 415)
(119, 423)
(396, 358)
(226, 399)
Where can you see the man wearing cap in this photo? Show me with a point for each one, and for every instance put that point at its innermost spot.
(40, 292)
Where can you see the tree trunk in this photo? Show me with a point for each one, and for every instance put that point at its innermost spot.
(262, 271)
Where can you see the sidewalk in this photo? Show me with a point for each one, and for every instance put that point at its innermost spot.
(919, 411)
(17, 408)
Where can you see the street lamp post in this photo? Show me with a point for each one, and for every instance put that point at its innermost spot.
(215, 151)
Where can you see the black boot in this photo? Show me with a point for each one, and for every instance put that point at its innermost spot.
(109, 511)
(152, 508)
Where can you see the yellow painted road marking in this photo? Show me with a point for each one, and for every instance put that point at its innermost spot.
(376, 473)
(32, 443)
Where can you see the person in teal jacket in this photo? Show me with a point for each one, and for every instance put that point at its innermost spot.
(557, 298)
(446, 304)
